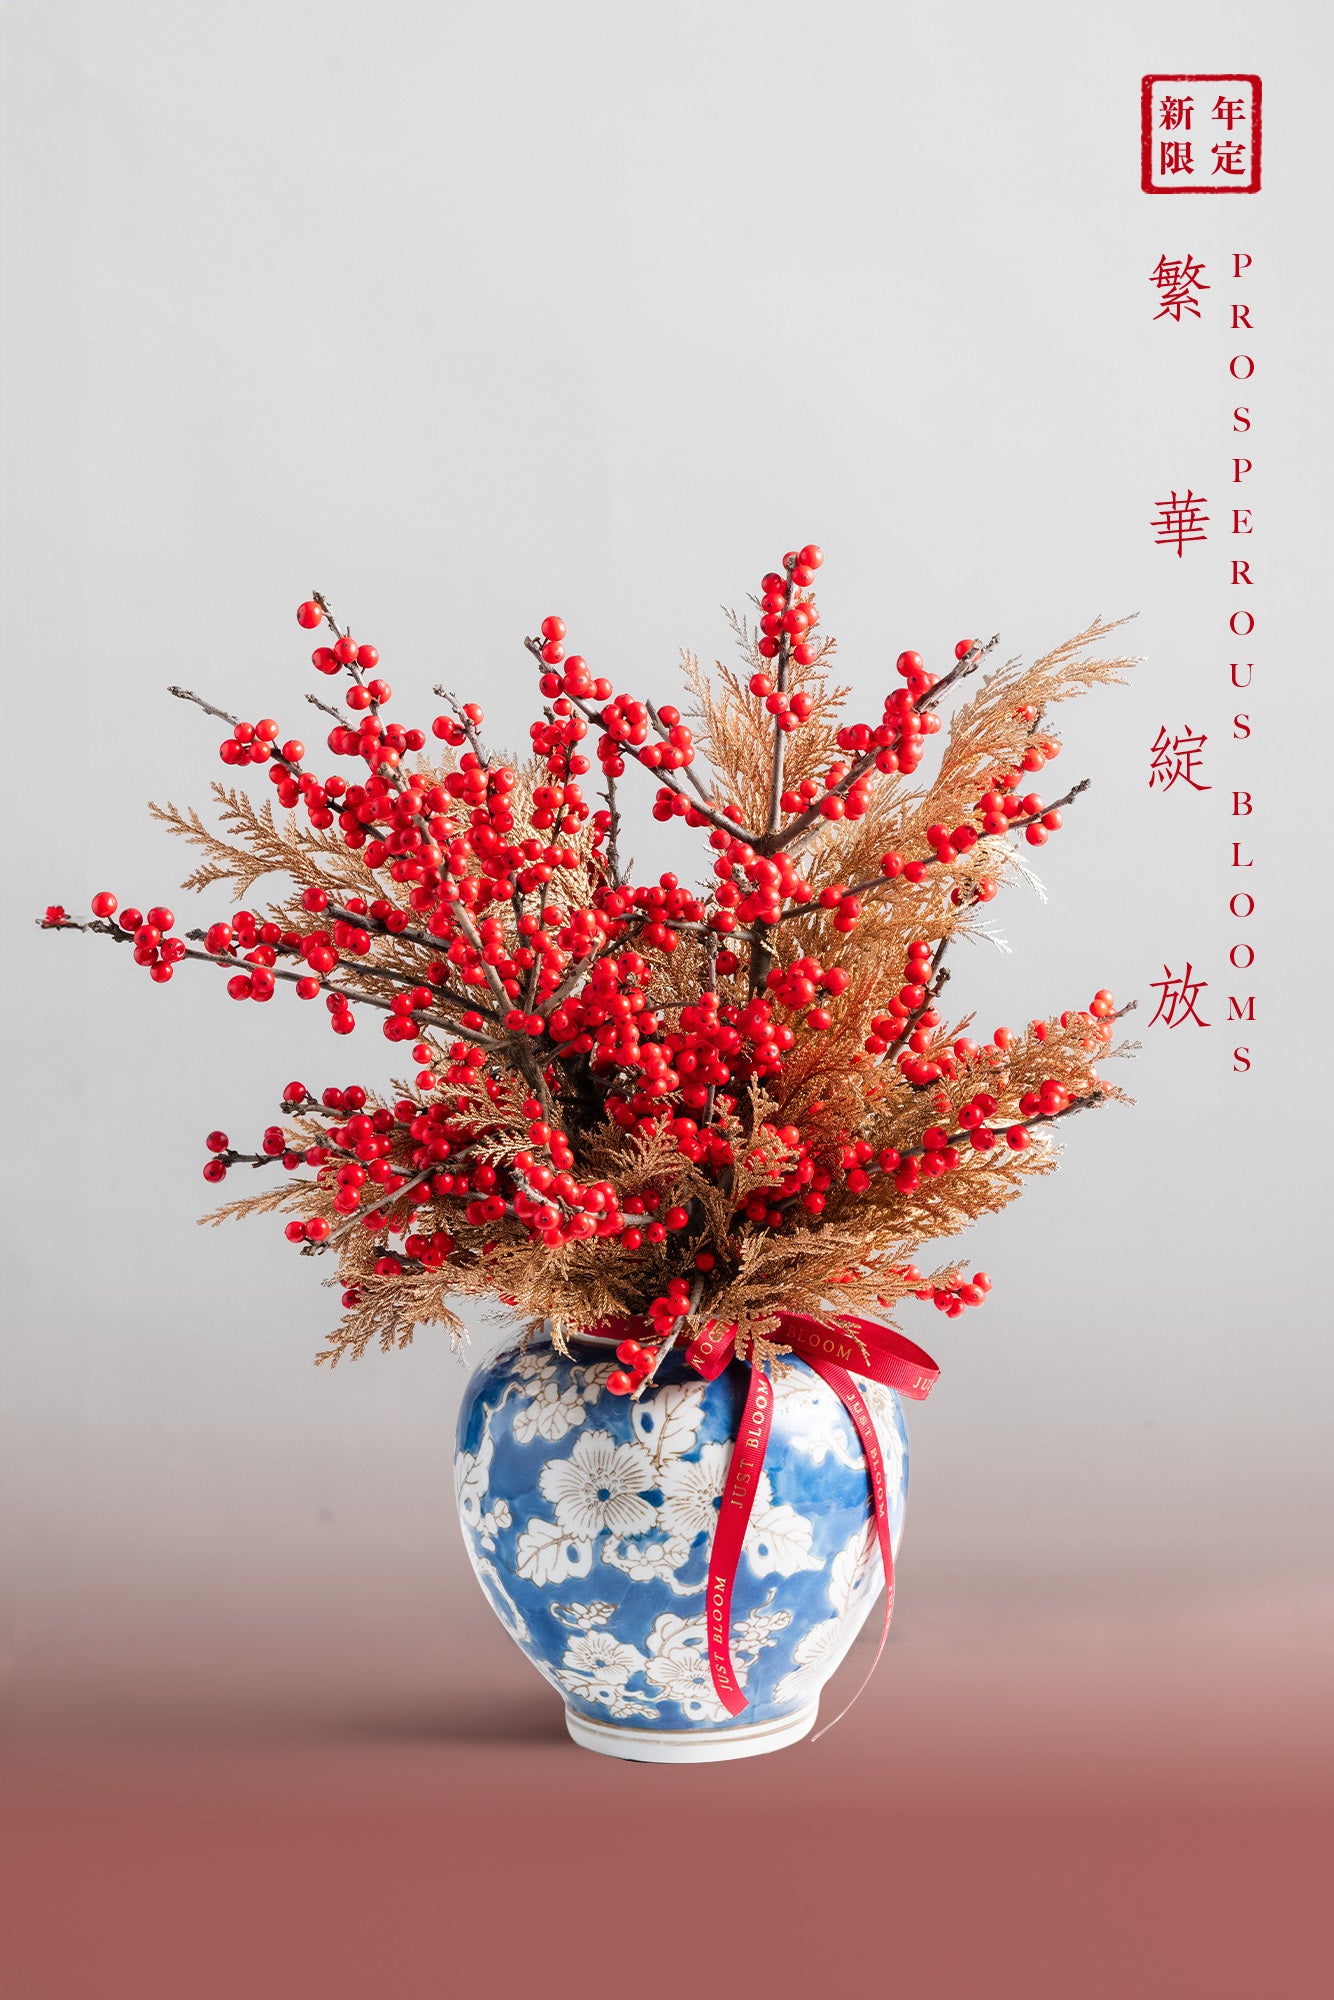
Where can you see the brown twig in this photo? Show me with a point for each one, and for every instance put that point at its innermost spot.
(687, 769)
(696, 1293)
(423, 939)
(808, 822)
(664, 778)
(932, 987)
(871, 882)
(352, 668)
(781, 662)
(329, 709)
(465, 722)
(184, 694)
(427, 1174)
(235, 965)
(404, 981)
(613, 834)
(969, 664)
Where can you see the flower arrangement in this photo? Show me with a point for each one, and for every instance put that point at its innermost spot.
(678, 1102)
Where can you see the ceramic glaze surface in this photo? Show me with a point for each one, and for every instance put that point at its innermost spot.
(589, 1519)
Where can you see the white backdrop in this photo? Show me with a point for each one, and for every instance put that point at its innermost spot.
(463, 315)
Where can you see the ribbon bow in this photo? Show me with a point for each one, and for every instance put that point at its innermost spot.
(874, 1351)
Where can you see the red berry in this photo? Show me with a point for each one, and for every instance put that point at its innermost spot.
(309, 614)
(368, 658)
(619, 1383)
(553, 628)
(104, 904)
(811, 557)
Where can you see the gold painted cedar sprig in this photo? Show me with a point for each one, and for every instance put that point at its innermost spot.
(727, 1092)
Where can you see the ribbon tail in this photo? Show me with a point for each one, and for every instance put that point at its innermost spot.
(850, 1396)
(743, 1478)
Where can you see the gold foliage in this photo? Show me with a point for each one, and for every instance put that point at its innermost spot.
(739, 752)
(262, 846)
(856, 1254)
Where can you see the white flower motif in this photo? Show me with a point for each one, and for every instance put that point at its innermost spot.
(583, 1617)
(595, 1378)
(597, 1667)
(506, 1609)
(758, 1629)
(472, 1473)
(600, 1486)
(884, 1414)
(552, 1410)
(691, 1490)
(666, 1423)
(854, 1582)
(491, 1523)
(653, 1562)
(816, 1425)
(678, 1664)
(778, 1539)
(851, 1567)
(545, 1553)
(815, 1657)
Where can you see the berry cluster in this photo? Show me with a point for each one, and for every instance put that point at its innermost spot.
(635, 1088)
(638, 1363)
(951, 1299)
(150, 932)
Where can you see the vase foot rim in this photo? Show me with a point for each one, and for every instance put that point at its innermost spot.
(691, 1746)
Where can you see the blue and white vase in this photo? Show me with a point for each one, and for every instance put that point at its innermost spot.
(589, 1519)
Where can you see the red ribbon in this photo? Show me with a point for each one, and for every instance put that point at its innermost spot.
(877, 1352)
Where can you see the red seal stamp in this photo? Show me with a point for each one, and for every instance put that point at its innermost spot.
(1200, 134)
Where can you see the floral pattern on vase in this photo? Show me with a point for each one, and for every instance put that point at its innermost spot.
(589, 1518)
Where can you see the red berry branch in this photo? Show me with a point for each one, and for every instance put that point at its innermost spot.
(675, 1100)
